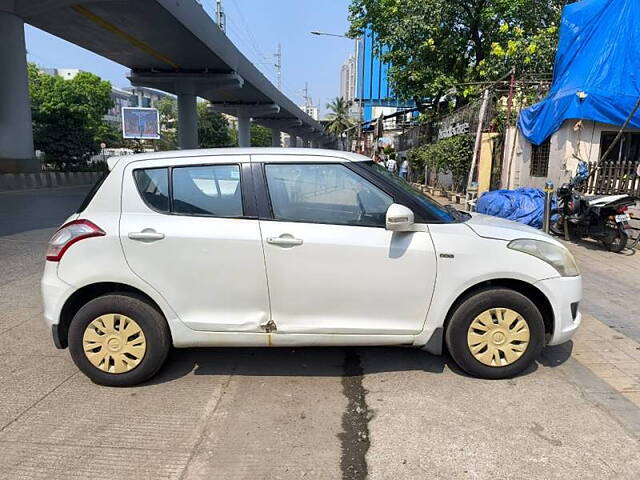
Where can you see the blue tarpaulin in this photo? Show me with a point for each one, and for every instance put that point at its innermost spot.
(524, 205)
(597, 69)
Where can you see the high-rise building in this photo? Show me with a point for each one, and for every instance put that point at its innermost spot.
(311, 110)
(348, 79)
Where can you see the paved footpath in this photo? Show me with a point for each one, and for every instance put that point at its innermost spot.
(315, 413)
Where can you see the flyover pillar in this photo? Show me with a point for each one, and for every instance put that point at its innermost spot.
(293, 140)
(187, 121)
(16, 136)
(244, 131)
(275, 137)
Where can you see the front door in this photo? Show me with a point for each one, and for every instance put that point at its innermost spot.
(195, 244)
(332, 266)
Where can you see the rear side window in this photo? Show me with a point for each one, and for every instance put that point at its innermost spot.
(210, 190)
(153, 185)
(207, 190)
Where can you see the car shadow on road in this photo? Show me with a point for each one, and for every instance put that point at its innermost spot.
(319, 362)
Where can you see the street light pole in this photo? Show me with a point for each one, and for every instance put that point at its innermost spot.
(328, 34)
(360, 111)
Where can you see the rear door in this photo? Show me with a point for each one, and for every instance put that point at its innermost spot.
(190, 231)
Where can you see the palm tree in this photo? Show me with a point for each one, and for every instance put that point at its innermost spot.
(339, 119)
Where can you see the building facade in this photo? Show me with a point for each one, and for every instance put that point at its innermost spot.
(557, 158)
(372, 88)
(312, 110)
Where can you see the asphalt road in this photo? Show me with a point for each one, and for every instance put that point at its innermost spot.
(313, 413)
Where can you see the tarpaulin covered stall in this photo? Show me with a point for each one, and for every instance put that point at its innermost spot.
(597, 69)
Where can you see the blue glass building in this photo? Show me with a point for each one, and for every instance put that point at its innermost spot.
(372, 83)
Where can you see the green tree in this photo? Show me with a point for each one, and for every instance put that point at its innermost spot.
(213, 128)
(68, 115)
(452, 155)
(433, 45)
(260, 136)
(522, 53)
(168, 113)
(339, 119)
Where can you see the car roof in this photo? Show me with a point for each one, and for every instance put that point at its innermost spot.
(284, 155)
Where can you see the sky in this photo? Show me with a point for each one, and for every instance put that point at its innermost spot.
(256, 27)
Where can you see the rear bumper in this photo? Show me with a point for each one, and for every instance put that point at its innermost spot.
(54, 294)
(564, 294)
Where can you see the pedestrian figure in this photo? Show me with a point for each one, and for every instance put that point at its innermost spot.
(404, 169)
(392, 165)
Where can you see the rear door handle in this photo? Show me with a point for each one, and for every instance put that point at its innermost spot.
(147, 235)
(285, 241)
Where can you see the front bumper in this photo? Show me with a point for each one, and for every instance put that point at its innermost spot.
(564, 294)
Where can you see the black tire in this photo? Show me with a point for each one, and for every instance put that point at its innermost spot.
(557, 227)
(482, 301)
(149, 319)
(617, 242)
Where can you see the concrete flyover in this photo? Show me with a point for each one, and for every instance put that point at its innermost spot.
(169, 45)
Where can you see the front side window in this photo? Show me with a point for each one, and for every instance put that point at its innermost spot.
(207, 190)
(433, 209)
(325, 193)
(153, 185)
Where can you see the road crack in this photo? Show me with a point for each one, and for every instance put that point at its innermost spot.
(354, 438)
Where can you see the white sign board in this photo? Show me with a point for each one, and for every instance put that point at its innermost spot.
(140, 123)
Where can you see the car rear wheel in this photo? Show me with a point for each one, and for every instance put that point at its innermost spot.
(119, 340)
(495, 334)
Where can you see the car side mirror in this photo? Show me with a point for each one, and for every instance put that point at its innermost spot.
(399, 218)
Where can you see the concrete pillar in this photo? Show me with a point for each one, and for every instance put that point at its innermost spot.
(244, 131)
(275, 137)
(187, 121)
(16, 136)
(293, 140)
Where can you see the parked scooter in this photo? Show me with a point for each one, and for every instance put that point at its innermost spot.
(602, 218)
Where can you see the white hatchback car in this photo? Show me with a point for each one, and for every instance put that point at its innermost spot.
(295, 247)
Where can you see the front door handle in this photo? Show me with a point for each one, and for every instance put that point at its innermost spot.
(146, 235)
(285, 241)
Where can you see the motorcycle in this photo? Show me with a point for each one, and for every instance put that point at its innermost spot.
(604, 218)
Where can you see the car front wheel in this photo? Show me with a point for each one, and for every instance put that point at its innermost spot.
(119, 340)
(495, 334)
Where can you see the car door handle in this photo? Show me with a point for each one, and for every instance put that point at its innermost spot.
(147, 235)
(285, 241)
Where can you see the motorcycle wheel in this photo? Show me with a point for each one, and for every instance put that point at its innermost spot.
(557, 227)
(617, 241)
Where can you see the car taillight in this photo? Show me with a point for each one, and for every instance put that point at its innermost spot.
(69, 234)
(623, 209)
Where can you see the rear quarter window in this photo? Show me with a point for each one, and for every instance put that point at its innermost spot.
(153, 185)
(92, 193)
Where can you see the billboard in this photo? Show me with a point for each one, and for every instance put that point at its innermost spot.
(140, 123)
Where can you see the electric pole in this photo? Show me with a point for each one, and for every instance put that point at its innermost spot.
(278, 65)
(306, 94)
(220, 16)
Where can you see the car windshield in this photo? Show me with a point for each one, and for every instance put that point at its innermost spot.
(445, 214)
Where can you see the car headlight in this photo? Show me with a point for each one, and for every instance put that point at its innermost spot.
(558, 257)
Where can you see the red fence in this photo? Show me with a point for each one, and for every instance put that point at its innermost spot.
(613, 178)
